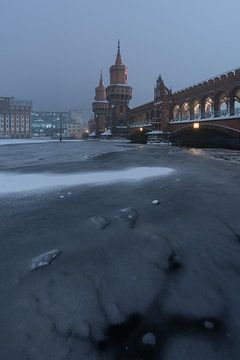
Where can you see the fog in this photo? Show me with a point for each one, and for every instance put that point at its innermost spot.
(52, 51)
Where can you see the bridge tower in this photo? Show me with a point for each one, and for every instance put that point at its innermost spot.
(161, 105)
(100, 108)
(119, 93)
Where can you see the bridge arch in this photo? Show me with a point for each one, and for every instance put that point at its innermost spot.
(235, 101)
(196, 109)
(207, 105)
(176, 112)
(207, 135)
(222, 104)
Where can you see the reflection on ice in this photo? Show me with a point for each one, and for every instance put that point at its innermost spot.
(10, 183)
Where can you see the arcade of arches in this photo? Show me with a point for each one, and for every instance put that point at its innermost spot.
(209, 107)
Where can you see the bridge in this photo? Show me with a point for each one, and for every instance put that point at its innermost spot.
(208, 113)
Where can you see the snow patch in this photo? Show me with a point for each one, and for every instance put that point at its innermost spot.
(149, 339)
(24, 141)
(10, 183)
(44, 259)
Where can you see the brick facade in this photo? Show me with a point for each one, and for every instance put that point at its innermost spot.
(212, 102)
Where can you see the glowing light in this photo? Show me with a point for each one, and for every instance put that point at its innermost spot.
(196, 125)
(141, 129)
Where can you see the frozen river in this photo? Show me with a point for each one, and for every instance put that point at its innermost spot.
(149, 252)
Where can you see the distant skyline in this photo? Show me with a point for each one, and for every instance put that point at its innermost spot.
(52, 50)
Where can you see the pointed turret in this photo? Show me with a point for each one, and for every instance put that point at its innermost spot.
(100, 90)
(100, 108)
(101, 85)
(119, 71)
(118, 57)
(119, 93)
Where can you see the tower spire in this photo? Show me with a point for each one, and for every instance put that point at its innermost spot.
(101, 79)
(118, 58)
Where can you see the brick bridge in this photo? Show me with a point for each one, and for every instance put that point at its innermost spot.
(206, 114)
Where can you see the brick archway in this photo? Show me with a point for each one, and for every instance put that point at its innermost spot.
(207, 135)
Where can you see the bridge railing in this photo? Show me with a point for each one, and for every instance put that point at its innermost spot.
(208, 115)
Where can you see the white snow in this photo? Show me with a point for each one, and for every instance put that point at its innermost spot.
(107, 132)
(10, 183)
(149, 339)
(92, 134)
(155, 132)
(209, 325)
(24, 141)
(44, 259)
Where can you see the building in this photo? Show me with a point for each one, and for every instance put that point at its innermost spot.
(213, 104)
(119, 94)
(153, 115)
(100, 108)
(111, 104)
(74, 126)
(49, 123)
(15, 118)
(205, 114)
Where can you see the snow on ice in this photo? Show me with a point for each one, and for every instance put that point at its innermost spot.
(10, 183)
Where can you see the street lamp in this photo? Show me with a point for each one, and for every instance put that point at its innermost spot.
(60, 133)
(141, 129)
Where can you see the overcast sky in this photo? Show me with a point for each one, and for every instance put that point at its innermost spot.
(51, 51)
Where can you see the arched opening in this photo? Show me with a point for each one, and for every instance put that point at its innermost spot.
(222, 105)
(208, 108)
(237, 103)
(176, 113)
(185, 111)
(206, 135)
(196, 109)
